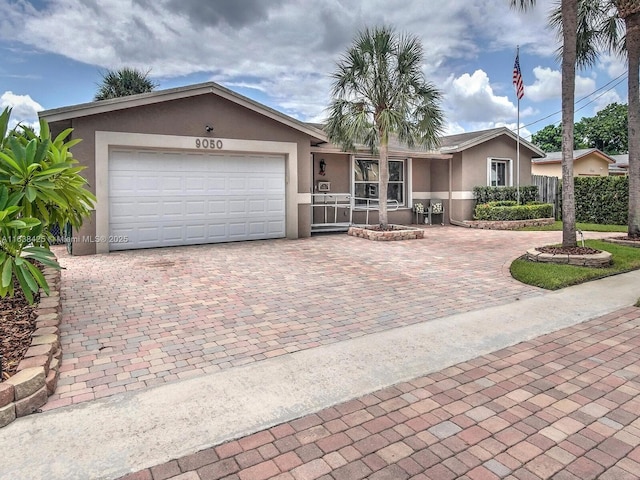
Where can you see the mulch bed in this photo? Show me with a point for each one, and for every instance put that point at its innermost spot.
(568, 250)
(17, 323)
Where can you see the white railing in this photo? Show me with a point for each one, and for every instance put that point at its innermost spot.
(330, 204)
(368, 204)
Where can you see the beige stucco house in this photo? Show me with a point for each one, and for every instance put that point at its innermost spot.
(589, 162)
(202, 164)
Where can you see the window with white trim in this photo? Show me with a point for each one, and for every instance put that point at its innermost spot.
(499, 172)
(366, 179)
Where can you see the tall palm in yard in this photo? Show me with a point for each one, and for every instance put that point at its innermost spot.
(123, 82)
(598, 27)
(629, 12)
(569, 20)
(379, 90)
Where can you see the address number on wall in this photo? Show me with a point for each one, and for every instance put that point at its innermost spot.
(209, 143)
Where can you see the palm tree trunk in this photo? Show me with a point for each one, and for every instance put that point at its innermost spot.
(569, 51)
(632, 23)
(383, 167)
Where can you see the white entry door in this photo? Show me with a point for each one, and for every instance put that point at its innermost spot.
(159, 199)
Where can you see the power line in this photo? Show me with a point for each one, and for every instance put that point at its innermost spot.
(619, 77)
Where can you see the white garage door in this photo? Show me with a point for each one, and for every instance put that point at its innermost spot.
(159, 199)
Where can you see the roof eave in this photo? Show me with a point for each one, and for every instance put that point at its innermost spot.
(131, 101)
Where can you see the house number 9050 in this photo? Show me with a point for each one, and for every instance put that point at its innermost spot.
(209, 143)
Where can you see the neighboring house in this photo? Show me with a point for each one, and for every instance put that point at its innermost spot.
(588, 162)
(202, 164)
(621, 167)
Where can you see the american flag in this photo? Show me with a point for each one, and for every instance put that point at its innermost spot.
(517, 78)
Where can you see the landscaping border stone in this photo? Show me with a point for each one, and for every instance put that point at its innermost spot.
(397, 232)
(509, 224)
(602, 259)
(38, 372)
(622, 241)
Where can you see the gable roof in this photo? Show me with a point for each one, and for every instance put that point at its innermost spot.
(464, 141)
(556, 157)
(130, 101)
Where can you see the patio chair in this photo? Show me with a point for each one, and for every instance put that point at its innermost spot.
(436, 207)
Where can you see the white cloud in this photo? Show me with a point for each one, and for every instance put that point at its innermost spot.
(286, 48)
(605, 98)
(470, 98)
(548, 85)
(524, 133)
(452, 128)
(613, 65)
(24, 109)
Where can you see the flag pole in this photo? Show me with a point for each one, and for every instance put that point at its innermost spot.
(518, 141)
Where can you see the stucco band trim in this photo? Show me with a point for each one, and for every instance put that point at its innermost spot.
(105, 140)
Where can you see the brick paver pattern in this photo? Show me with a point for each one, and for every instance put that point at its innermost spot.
(141, 318)
(563, 406)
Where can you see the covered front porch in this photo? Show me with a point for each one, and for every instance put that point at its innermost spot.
(345, 189)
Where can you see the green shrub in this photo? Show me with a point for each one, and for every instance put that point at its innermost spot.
(496, 211)
(528, 194)
(602, 200)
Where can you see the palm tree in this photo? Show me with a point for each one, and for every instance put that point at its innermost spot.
(379, 91)
(599, 26)
(629, 11)
(123, 82)
(569, 21)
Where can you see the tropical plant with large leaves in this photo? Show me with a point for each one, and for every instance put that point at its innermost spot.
(40, 186)
(380, 91)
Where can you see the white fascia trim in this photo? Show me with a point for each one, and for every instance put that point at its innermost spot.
(105, 140)
(456, 195)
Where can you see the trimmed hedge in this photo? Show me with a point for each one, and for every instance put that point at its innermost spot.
(602, 200)
(497, 211)
(528, 194)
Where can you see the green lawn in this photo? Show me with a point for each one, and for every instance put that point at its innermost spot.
(585, 227)
(553, 276)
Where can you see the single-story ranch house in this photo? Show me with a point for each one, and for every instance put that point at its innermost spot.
(587, 162)
(202, 164)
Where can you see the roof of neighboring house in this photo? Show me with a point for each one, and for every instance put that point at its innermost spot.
(556, 157)
(621, 166)
(463, 141)
(120, 103)
(621, 160)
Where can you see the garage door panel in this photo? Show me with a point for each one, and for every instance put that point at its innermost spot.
(168, 198)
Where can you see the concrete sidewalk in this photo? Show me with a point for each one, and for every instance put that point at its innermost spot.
(107, 438)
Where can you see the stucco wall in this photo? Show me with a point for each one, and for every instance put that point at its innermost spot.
(589, 165)
(188, 117)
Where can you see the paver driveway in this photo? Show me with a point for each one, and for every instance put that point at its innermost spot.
(139, 318)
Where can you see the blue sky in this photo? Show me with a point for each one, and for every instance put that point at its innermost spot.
(281, 53)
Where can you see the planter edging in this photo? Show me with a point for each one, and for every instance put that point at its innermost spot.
(398, 232)
(37, 374)
(599, 260)
(508, 224)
